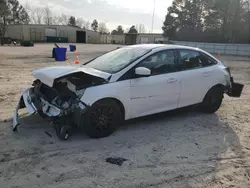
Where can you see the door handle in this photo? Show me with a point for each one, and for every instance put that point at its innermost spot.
(206, 74)
(172, 80)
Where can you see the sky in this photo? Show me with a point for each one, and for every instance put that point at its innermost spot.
(112, 12)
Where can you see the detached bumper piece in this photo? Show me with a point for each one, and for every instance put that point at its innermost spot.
(25, 101)
(236, 89)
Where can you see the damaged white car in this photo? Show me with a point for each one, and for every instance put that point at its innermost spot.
(126, 83)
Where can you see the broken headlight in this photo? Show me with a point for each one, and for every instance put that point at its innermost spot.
(82, 106)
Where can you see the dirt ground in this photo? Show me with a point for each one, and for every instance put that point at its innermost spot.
(184, 148)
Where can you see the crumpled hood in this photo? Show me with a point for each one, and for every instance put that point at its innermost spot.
(49, 74)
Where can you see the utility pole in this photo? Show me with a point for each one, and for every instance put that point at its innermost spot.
(248, 15)
(153, 17)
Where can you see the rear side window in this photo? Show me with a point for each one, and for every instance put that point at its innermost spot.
(190, 59)
(207, 60)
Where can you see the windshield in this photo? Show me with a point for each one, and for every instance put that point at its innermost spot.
(116, 60)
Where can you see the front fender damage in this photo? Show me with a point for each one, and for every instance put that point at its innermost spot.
(62, 118)
(63, 114)
(61, 101)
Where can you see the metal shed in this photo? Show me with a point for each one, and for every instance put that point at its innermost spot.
(50, 33)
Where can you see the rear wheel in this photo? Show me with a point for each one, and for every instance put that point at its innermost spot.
(213, 100)
(102, 119)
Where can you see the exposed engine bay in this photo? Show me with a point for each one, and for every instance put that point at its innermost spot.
(60, 103)
(66, 91)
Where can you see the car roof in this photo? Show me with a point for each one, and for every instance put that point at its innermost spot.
(161, 46)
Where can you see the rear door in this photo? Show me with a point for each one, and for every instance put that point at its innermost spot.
(211, 73)
(194, 77)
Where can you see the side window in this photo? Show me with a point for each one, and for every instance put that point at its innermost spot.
(190, 59)
(160, 62)
(206, 60)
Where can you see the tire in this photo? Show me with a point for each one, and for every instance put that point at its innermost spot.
(63, 131)
(102, 119)
(212, 100)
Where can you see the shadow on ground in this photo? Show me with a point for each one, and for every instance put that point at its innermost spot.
(166, 148)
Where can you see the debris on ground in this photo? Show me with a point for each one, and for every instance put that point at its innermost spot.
(48, 133)
(117, 160)
(182, 157)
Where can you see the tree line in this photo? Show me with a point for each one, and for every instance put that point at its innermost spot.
(12, 12)
(224, 21)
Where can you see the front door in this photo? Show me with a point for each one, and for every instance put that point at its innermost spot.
(158, 92)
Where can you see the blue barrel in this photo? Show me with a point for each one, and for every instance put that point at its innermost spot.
(60, 54)
(72, 48)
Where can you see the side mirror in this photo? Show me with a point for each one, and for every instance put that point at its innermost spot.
(142, 71)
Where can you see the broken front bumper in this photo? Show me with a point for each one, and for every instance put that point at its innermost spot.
(27, 100)
(24, 101)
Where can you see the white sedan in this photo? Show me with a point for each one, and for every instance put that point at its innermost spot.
(126, 83)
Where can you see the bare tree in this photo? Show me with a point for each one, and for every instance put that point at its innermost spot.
(47, 18)
(102, 28)
(127, 30)
(79, 22)
(28, 10)
(32, 17)
(56, 20)
(36, 15)
(64, 19)
(140, 28)
(86, 24)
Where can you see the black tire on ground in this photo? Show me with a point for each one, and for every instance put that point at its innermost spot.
(102, 119)
(213, 100)
(63, 131)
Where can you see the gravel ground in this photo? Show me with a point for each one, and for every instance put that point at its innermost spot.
(183, 148)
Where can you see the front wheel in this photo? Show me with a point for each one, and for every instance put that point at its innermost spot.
(102, 119)
(212, 100)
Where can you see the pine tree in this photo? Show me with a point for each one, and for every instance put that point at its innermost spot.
(72, 21)
(94, 25)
